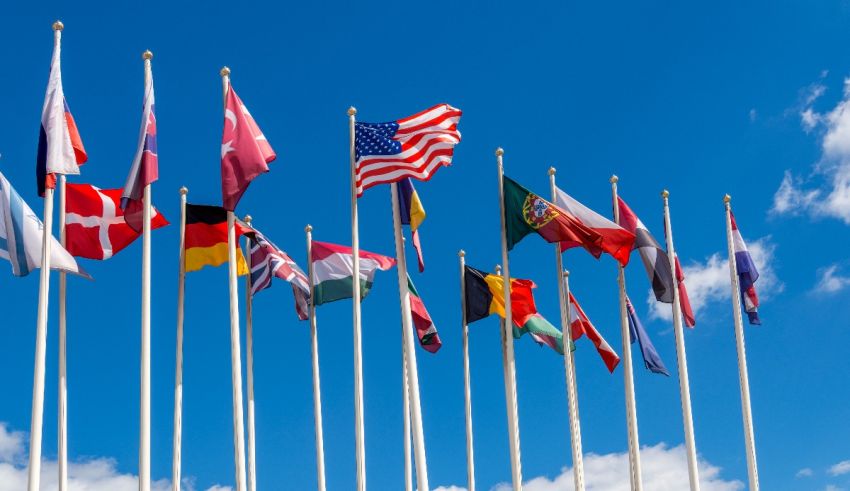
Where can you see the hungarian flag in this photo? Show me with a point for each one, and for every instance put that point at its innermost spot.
(426, 331)
(526, 212)
(651, 359)
(245, 152)
(333, 271)
(485, 295)
(94, 222)
(412, 213)
(580, 325)
(206, 238)
(616, 240)
(747, 274)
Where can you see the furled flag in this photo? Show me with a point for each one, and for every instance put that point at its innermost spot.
(616, 240)
(526, 212)
(651, 359)
(413, 147)
(60, 148)
(426, 331)
(333, 271)
(656, 262)
(145, 167)
(267, 261)
(580, 325)
(94, 222)
(206, 238)
(747, 274)
(245, 152)
(485, 295)
(412, 213)
(21, 237)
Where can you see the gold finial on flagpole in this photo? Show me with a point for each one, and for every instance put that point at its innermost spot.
(58, 25)
(308, 228)
(352, 111)
(147, 55)
(665, 194)
(552, 171)
(225, 72)
(614, 179)
(727, 198)
(184, 190)
(499, 152)
(461, 253)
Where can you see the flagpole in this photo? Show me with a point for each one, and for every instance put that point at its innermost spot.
(509, 381)
(36, 422)
(684, 385)
(235, 351)
(749, 436)
(409, 350)
(249, 360)
(359, 437)
(470, 458)
(62, 449)
(317, 392)
(628, 375)
(508, 342)
(178, 366)
(569, 360)
(408, 468)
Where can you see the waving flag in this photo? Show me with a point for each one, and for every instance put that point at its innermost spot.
(413, 147)
(616, 240)
(747, 274)
(267, 261)
(94, 222)
(206, 238)
(145, 167)
(651, 359)
(412, 213)
(245, 152)
(581, 325)
(426, 331)
(333, 271)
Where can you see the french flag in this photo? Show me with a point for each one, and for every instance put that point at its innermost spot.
(60, 148)
(747, 274)
(145, 168)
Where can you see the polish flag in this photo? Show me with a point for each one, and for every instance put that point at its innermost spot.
(616, 240)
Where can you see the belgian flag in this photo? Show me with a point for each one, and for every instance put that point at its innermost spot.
(206, 238)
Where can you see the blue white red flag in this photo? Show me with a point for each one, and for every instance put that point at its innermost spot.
(651, 359)
(747, 274)
(267, 261)
(145, 168)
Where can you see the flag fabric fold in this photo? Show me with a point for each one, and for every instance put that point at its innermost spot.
(333, 271)
(145, 167)
(426, 331)
(268, 261)
(206, 238)
(747, 274)
(413, 214)
(651, 359)
(616, 240)
(580, 326)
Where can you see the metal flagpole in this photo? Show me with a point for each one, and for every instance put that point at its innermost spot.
(178, 367)
(510, 380)
(628, 376)
(62, 449)
(36, 422)
(749, 437)
(470, 458)
(235, 352)
(317, 392)
(408, 350)
(569, 360)
(249, 360)
(408, 468)
(359, 437)
(684, 386)
(508, 341)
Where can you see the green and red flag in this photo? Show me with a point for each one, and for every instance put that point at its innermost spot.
(426, 331)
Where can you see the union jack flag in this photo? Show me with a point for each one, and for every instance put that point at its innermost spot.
(145, 168)
(268, 261)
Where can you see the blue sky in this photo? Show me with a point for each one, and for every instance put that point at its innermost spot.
(702, 100)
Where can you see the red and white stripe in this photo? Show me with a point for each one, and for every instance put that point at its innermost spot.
(581, 325)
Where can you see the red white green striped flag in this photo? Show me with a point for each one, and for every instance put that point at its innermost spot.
(333, 271)
(426, 331)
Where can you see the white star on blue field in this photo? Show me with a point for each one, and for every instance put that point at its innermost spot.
(747, 99)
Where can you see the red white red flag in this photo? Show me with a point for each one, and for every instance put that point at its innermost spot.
(581, 325)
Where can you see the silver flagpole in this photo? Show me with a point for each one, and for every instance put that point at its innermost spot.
(178, 366)
(317, 391)
(509, 381)
(249, 360)
(470, 458)
(62, 451)
(684, 385)
(749, 436)
(408, 468)
(628, 375)
(569, 360)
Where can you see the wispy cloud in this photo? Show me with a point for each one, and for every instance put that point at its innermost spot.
(840, 468)
(804, 472)
(831, 281)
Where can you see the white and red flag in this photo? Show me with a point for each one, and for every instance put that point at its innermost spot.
(580, 325)
(615, 240)
(245, 152)
(95, 227)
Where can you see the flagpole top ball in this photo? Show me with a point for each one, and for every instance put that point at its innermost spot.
(727, 198)
(352, 111)
(247, 219)
(308, 228)
(498, 269)
(566, 273)
(58, 25)
(614, 179)
(225, 72)
(184, 191)
(147, 55)
(461, 253)
(551, 171)
(665, 194)
(499, 152)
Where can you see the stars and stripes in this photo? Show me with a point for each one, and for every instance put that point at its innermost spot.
(145, 167)
(268, 261)
(413, 147)
(747, 274)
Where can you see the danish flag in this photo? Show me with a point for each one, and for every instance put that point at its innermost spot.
(94, 222)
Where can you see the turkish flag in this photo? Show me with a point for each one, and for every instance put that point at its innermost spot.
(94, 222)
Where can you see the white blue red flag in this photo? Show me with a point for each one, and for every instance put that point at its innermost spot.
(267, 261)
(413, 147)
(747, 274)
(145, 168)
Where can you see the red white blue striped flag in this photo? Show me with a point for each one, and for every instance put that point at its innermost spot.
(145, 168)
(747, 274)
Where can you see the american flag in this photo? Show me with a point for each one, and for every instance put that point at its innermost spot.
(267, 260)
(413, 147)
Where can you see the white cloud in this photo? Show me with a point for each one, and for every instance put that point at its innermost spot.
(829, 281)
(804, 472)
(664, 469)
(840, 468)
(832, 487)
(753, 114)
(708, 282)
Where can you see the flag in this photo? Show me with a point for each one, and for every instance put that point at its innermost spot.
(485, 295)
(526, 212)
(245, 152)
(580, 325)
(94, 222)
(145, 167)
(22, 236)
(412, 213)
(616, 240)
(413, 147)
(656, 262)
(747, 274)
(426, 331)
(267, 261)
(651, 359)
(333, 271)
(60, 148)
(206, 238)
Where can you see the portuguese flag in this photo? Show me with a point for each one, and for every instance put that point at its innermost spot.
(333, 271)
(206, 238)
(526, 212)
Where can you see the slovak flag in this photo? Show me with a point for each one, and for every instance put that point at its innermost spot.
(747, 274)
(94, 222)
(60, 148)
(145, 168)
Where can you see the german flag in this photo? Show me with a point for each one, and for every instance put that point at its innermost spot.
(206, 238)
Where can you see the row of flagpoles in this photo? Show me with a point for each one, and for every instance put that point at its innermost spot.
(380, 153)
